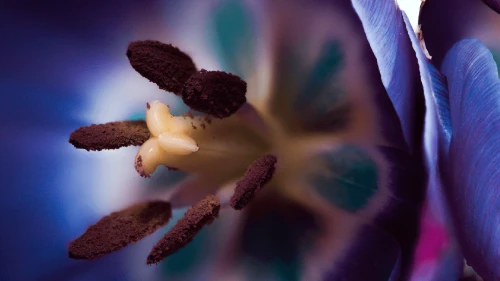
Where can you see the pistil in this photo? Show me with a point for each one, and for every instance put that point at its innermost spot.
(192, 144)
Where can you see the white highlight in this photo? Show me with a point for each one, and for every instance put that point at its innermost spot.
(412, 10)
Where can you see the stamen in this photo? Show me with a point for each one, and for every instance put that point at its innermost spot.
(163, 64)
(215, 92)
(258, 174)
(183, 232)
(112, 135)
(119, 229)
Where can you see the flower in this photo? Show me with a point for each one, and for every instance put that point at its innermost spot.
(321, 159)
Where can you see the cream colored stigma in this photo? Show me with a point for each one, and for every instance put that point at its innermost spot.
(169, 137)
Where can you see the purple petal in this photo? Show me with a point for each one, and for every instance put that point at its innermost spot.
(375, 256)
(388, 38)
(274, 232)
(383, 184)
(437, 257)
(472, 167)
(450, 265)
(445, 22)
(401, 214)
(325, 72)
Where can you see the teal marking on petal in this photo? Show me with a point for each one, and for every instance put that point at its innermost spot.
(321, 100)
(327, 68)
(277, 269)
(352, 178)
(234, 36)
(286, 271)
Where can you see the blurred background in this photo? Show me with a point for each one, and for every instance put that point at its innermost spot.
(63, 65)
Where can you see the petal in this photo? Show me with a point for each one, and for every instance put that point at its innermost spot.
(471, 167)
(445, 22)
(437, 255)
(404, 178)
(440, 98)
(351, 180)
(325, 77)
(270, 239)
(450, 265)
(389, 40)
(275, 232)
(383, 185)
(321, 92)
(375, 256)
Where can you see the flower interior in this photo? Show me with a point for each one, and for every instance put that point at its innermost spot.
(227, 141)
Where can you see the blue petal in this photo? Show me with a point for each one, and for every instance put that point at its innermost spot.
(450, 265)
(441, 100)
(474, 154)
(388, 38)
(233, 35)
(323, 75)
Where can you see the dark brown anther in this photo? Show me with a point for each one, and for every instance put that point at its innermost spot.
(258, 174)
(160, 63)
(216, 93)
(112, 135)
(120, 229)
(183, 232)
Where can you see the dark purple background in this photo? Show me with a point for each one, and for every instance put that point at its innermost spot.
(50, 50)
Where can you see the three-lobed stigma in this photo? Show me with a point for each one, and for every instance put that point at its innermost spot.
(169, 137)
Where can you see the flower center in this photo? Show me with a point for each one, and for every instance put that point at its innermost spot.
(198, 144)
